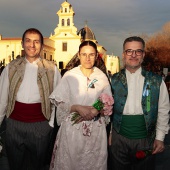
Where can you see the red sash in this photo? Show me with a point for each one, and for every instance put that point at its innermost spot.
(27, 112)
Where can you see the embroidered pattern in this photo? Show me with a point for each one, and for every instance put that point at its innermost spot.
(146, 93)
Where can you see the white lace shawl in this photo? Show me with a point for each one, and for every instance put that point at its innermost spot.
(73, 89)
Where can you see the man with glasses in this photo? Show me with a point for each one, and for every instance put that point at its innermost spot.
(141, 107)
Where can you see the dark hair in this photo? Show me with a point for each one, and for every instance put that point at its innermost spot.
(134, 38)
(34, 30)
(88, 43)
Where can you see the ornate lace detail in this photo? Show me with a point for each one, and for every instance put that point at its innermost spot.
(86, 153)
(107, 119)
(87, 126)
(63, 110)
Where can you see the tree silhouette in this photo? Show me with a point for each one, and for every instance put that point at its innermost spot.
(158, 50)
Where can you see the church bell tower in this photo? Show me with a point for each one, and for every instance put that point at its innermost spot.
(65, 35)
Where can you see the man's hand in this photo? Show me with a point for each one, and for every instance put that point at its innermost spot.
(158, 146)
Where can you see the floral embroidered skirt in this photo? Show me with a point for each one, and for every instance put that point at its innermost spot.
(75, 150)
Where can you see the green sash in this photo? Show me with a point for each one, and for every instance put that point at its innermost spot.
(133, 127)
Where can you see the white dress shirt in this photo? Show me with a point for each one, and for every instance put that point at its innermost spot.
(28, 91)
(133, 105)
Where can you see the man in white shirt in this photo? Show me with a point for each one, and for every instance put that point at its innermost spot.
(140, 119)
(25, 86)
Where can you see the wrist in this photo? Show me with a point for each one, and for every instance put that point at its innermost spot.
(74, 108)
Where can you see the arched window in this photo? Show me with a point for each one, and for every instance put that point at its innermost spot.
(62, 22)
(64, 46)
(51, 57)
(44, 55)
(68, 22)
(65, 9)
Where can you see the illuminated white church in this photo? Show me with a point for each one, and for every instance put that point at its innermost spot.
(61, 46)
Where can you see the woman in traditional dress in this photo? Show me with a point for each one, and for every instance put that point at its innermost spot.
(81, 145)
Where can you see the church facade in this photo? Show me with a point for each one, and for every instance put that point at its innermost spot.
(60, 47)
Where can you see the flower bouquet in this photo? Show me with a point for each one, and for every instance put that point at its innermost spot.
(104, 102)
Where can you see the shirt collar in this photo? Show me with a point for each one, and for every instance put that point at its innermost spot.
(136, 73)
(34, 62)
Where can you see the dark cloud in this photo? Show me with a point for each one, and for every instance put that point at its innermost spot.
(111, 20)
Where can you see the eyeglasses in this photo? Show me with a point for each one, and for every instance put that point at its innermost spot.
(91, 55)
(138, 52)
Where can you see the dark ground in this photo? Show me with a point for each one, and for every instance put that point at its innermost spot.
(163, 159)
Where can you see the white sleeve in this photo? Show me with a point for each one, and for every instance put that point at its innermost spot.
(63, 110)
(4, 90)
(60, 97)
(162, 126)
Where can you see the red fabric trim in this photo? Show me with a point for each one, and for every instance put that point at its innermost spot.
(27, 112)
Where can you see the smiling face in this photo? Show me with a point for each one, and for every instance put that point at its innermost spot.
(32, 46)
(133, 55)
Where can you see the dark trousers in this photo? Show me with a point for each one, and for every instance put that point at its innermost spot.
(122, 154)
(27, 144)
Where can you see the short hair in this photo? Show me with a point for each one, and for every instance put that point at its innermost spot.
(134, 38)
(36, 31)
(88, 43)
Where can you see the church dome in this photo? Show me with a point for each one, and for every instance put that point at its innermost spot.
(86, 34)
